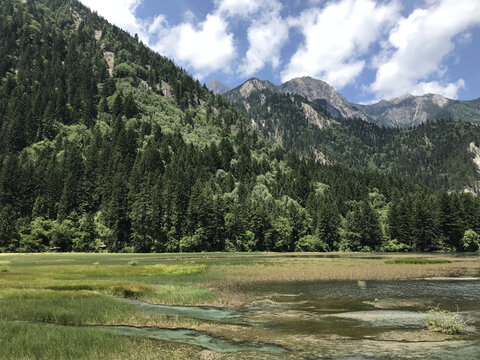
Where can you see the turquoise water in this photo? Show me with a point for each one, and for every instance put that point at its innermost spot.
(194, 337)
(195, 312)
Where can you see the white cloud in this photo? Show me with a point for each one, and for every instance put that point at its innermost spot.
(240, 8)
(336, 37)
(418, 45)
(266, 41)
(434, 87)
(267, 34)
(119, 12)
(205, 48)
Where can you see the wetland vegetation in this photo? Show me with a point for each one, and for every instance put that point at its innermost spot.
(222, 306)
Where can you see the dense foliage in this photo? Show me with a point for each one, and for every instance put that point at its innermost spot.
(146, 159)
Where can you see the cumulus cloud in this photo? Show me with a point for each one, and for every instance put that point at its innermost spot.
(434, 87)
(418, 45)
(205, 48)
(266, 35)
(240, 8)
(336, 37)
(266, 39)
(120, 13)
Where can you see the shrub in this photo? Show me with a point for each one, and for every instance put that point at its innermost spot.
(193, 243)
(4, 268)
(394, 246)
(311, 243)
(471, 241)
(123, 70)
(128, 250)
(446, 322)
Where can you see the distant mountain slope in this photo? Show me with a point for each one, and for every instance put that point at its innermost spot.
(438, 154)
(412, 110)
(217, 87)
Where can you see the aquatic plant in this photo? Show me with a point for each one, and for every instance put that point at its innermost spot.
(446, 322)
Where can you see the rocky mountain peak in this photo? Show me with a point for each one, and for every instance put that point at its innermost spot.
(310, 88)
(320, 92)
(217, 87)
(253, 85)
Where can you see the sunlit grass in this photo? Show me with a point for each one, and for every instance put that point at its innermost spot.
(61, 307)
(38, 341)
(31, 341)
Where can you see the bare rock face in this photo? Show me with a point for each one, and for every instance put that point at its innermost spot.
(253, 85)
(217, 87)
(242, 93)
(98, 35)
(314, 117)
(110, 59)
(318, 90)
(167, 90)
(475, 150)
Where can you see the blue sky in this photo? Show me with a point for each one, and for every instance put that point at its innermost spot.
(366, 49)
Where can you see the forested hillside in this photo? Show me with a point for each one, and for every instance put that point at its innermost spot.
(108, 146)
(437, 154)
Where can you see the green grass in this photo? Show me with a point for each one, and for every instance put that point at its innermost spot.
(33, 341)
(61, 307)
(417, 261)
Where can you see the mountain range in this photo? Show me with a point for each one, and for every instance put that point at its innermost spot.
(309, 117)
(402, 112)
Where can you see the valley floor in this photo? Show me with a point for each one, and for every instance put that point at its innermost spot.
(242, 306)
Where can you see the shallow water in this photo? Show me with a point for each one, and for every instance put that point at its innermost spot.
(194, 337)
(195, 312)
(363, 320)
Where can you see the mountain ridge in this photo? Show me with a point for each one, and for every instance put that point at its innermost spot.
(401, 112)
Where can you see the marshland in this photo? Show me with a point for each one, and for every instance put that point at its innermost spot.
(241, 306)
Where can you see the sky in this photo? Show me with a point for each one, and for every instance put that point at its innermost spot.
(367, 49)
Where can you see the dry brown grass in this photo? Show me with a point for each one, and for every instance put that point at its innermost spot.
(341, 269)
(357, 268)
